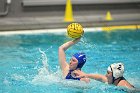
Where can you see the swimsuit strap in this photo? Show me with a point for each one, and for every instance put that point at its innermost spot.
(69, 76)
(120, 78)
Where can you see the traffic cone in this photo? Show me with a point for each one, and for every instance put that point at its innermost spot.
(108, 16)
(68, 12)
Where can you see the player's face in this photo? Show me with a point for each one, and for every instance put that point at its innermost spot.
(73, 63)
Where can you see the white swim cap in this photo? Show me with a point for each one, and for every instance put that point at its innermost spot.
(117, 69)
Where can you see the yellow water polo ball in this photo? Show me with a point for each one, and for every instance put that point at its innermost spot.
(75, 30)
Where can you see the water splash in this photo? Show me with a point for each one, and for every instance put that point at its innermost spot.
(6, 82)
(18, 77)
(86, 44)
(44, 60)
(45, 76)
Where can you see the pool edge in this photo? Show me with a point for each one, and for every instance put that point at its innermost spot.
(63, 30)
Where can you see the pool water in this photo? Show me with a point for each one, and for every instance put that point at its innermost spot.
(29, 63)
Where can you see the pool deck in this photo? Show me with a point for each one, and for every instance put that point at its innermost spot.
(28, 23)
(90, 16)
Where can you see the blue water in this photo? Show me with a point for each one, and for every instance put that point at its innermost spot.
(29, 63)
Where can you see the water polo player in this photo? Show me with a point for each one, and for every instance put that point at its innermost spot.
(114, 76)
(76, 62)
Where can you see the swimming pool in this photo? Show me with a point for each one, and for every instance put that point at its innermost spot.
(29, 63)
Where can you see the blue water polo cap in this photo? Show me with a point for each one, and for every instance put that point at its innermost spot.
(81, 57)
